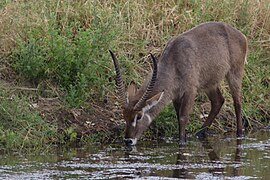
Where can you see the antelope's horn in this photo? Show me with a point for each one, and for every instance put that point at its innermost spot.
(119, 81)
(150, 85)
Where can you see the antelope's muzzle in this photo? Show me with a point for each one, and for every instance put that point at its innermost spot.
(130, 141)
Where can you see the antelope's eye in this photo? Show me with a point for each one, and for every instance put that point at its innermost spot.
(138, 117)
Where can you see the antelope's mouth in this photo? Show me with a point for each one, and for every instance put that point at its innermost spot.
(130, 141)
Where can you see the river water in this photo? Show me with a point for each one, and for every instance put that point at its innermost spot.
(218, 157)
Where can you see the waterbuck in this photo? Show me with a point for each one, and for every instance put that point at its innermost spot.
(196, 61)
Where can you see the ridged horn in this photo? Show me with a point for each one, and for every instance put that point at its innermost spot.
(150, 85)
(119, 81)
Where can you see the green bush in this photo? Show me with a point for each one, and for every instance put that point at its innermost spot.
(76, 59)
(166, 124)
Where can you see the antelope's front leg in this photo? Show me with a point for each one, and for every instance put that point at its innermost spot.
(186, 102)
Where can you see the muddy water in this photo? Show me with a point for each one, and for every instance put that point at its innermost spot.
(218, 157)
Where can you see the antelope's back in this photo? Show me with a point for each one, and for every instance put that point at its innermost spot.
(204, 55)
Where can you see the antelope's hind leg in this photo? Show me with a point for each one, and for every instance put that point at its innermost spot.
(235, 81)
(217, 101)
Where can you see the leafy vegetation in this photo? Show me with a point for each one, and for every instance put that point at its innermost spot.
(21, 126)
(61, 47)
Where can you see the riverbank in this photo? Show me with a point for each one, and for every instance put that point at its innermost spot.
(57, 78)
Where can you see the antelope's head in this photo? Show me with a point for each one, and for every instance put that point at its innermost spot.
(136, 105)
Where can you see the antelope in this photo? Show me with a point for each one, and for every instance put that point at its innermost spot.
(193, 62)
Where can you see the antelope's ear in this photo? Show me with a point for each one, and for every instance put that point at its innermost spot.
(153, 101)
(131, 89)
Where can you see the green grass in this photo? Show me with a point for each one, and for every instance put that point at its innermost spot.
(256, 86)
(21, 126)
(75, 58)
(64, 44)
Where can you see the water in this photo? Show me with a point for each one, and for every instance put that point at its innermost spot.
(220, 157)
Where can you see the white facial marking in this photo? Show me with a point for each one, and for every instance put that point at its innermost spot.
(149, 118)
(134, 122)
(146, 108)
(149, 106)
(134, 141)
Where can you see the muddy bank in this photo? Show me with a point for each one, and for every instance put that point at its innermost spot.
(102, 121)
(98, 119)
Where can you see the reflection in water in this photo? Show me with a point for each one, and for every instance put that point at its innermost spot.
(183, 172)
(237, 158)
(213, 158)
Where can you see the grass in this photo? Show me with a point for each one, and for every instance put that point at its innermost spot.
(256, 86)
(21, 126)
(64, 44)
(69, 52)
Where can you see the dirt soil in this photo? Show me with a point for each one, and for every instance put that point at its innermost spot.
(85, 122)
(102, 117)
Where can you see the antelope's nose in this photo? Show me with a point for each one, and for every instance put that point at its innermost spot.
(128, 142)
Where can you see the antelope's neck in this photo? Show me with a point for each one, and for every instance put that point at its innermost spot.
(166, 99)
(164, 83)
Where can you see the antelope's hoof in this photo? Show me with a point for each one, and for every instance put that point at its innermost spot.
(240, 132)
(201, 134)
(182, 140)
